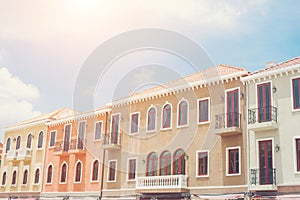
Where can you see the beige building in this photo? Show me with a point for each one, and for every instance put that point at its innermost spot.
(23, 157)
(183, 140)
(273, 130)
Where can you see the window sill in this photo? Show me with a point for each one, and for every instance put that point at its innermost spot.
(202, 176)
(96, 181)
(202, 123)
(182, 126)
(229, 175)
(166, 129)
(131, 180)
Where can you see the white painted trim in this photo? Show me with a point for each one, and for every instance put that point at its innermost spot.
(292, 96)
(40, 175)
(22, 184)
(50, 164)
(15, 168)
(227, 160)
(4, 150)
(239, 96)
(162, 116)
(256, 93)
(27, 140)
(64, 162)
(203, 99)
(23, 126)
(138, 121)
(128, 169)
(187, 114)
(197, 163)
(95, 124)
(20, 147)
(155, 121)
(295, 154)
(81, 171)
(257, 151)
(51, 147)
(4, 170)
(116, 167)
(92, 169)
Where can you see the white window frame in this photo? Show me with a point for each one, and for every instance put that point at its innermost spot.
(187, 114)
(51, 147)
(60, 173)
(64, 131)
(84, 134)
(162, 116)
(27, 140)
(95, 125)
(37, 141)
(138, 125)
(92, 169)
(197, 164)
(115, 178)
(50, 164)
(4, 170)
(128, 168)
(119, 122)
(155, 121)
(295, 154)
(198, 107)
(17, 174)
(292, 95)
(227, 160)
(26, 167)
(78, 161)
(257, 151)
(40, 176)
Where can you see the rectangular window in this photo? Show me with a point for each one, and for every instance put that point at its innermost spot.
(233, 161)
(134, 123)
(298, 154)
(112, 164)
(52, 138)
(98, 130)
(296, 93)
(114, 137)
(131, 169)
(202, 163)
(81, 134)
(264, 102)
(203, 110)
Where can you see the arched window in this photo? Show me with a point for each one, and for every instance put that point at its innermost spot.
(25, 177)
(29, 141)
(40, 140)
(7, 145)
(182, 113)
(63, 174)
(18, 143)
(4, 178)
(165, 163)
(179, 162)
(37, 176)
(95, 170)
(78, 172)
(151, 119)
(14, 178)
(167, 116)
(49, 174)
(152, 165)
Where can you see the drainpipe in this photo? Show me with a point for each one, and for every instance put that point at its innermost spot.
(248, 140)
(103, 158)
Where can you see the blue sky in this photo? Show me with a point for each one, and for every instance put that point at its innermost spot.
(43, 44)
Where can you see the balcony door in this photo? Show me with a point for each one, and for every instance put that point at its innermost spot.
(115, 129)
(265, 162)
(232, 106)
(67, 137)
(264, 102)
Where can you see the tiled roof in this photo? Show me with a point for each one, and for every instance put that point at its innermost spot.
(282, 65)
(205, 76)
(57, 114)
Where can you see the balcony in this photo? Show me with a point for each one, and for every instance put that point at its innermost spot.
(162, 182)
(61, 148)
(24, 154)
(11, 155)
(77, 146)
(112, 141)
(262, 119)
(263, 179)
(228, 124)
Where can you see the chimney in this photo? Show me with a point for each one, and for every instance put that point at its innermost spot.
(270, 64)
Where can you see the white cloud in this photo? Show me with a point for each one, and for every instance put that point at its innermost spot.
(16, 99)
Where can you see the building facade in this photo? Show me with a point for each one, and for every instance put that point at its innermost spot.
(73, 163)
(23, 157)
(273, 123)
(183, 140)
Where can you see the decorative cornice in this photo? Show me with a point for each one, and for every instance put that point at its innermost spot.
(23, 126)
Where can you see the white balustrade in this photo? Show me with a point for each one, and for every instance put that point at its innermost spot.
(162, 182)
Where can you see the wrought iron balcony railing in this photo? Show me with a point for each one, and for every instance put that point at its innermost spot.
(263, 176)
(227, 120)
(77, 144)
(262, 114)
(112, 138)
